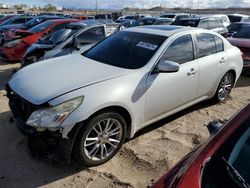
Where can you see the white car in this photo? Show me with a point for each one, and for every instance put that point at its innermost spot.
(91, 102)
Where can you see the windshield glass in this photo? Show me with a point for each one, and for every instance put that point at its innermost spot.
(230, 165)
(190, 23)
(168, 16)
(234, 18)
(40, 27)
(33, 22)
(126, 49)
(8, 21)
(243, 33)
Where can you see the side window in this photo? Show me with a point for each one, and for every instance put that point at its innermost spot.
(19, 21)
(211, 24)
(205, 45)
(203, 24)
(92, 35)
(180, 51)
(219, 44)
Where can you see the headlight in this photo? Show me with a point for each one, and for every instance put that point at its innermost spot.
(12, 43)
(54, 116)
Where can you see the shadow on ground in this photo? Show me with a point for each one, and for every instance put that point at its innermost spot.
(243, 81)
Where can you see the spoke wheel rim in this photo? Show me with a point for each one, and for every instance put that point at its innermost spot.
(103, 139)
(225, 87)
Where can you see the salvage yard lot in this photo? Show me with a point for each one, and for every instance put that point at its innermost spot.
(140, 162)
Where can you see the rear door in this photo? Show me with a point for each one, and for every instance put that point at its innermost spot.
(211, 59)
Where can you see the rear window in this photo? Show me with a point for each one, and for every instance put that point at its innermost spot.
(234, 18)
(126, 49)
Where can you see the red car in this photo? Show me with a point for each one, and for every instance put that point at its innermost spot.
(223, 161)
(242, 40)
(14, 49)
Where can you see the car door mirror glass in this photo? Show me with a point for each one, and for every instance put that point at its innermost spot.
(167, 66)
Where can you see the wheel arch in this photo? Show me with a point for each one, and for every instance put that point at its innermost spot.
(115, 108)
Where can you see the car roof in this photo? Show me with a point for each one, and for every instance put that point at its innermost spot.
(48, 16)
(62, 20)
(174, 13)
(200, 18)
(86, 23)
(164, 30)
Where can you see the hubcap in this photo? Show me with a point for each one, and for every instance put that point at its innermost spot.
(225, 87)
(103, 139)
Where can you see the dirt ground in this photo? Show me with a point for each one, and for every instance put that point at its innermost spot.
(140, 162)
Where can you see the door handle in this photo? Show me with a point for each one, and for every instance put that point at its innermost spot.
(222, 60)
(192, 72)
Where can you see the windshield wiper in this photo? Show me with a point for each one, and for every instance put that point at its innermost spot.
(237, 174)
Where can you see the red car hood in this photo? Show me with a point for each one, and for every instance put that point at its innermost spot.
(239, 42)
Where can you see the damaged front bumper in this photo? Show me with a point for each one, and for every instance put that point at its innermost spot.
(42, 142)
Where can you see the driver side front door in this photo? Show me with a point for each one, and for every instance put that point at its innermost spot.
(168, 91)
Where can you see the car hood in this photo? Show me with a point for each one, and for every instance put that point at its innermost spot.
(239, 42)
(45, 80)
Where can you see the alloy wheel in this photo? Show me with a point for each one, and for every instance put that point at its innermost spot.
(103, 139)
(225, 86)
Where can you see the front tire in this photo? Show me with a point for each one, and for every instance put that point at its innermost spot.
(100, 139)
(225, 87)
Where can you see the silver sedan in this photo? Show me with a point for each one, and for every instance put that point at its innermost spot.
(94, 100)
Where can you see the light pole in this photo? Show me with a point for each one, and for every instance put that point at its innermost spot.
(96, 7)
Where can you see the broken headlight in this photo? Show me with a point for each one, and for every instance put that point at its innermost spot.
(54, 116)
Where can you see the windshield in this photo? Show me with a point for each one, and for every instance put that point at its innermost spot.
(40, 27)
(230, 165)
(8, 21)
(168, 16)
(243, 33)
(190, 23)
(33, 22)
(126, 49)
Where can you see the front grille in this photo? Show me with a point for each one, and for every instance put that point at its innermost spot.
(21, 107)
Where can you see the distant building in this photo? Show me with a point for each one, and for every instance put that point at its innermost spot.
(59, 8)
(3, 5)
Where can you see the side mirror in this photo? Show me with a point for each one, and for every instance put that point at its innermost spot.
(167, 66)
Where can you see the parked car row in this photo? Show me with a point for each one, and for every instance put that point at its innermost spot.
(76, 38)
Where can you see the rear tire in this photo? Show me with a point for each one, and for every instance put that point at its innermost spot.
(225, 87)
(100, 139)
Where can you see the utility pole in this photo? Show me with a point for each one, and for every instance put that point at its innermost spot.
(96, 8)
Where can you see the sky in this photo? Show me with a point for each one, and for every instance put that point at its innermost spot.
(118, 4)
